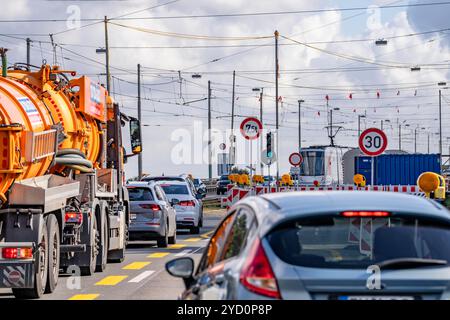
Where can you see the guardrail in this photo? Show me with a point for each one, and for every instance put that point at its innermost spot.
(236, 193)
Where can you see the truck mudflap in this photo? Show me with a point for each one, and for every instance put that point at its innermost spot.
(16, 275)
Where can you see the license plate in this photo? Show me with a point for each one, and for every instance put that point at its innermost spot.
(133, 216)
(375, 297)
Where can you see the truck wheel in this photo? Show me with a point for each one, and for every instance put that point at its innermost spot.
(40, 270)
(102, 258)
(53, 253)
(90, 269)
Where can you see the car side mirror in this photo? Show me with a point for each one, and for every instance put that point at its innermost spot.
(199, 196)
(174, 202)
(181, 268)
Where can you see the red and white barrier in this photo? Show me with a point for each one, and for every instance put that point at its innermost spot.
(236, 193)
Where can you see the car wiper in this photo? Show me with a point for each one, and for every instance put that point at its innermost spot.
(405, 263)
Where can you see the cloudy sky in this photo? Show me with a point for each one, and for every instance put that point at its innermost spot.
(323, 52)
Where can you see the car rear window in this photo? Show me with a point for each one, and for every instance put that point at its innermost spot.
(341, 242)
(175, 189)
(140, 194)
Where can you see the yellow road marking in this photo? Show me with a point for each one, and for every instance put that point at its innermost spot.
(206, 235)
(158, 255)
(84, 297)
(111, 280)
(193, 239)
(176, 246)
(136, 265)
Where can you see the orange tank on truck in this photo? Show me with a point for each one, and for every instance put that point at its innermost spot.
(37, 112)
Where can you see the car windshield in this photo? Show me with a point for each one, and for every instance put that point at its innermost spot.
(313, 163)
(197, 182)
(175, 189)
(140, 194)
(224, 178)
(340, 242)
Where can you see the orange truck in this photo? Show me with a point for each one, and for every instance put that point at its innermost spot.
(63, 204)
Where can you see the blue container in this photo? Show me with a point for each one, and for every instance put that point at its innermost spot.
(400, 169)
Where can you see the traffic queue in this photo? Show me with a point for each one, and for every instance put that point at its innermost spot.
(327, 245)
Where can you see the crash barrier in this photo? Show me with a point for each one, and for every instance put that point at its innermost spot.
(236, 193)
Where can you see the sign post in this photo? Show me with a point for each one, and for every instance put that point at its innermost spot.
(251, 129)
(268, 161)
(372, 143)
(296, 159)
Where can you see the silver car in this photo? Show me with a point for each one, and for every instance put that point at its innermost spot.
(188, 205)
(325, 246)
(152, 215)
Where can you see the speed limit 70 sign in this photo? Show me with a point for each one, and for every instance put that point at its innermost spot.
(373, 142)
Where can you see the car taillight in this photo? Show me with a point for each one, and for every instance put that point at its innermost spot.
(17, 253)
(187, 203)
(152, 206)
(73, 217)
(370, 214)
(257, 275)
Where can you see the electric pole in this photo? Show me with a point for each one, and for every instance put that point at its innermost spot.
(277, 73)
(28, 53)
(232, 153)
(108, 75)
(261, 119)
(139, 118)
(209, 133)
(300, 124)
(415, 140)
(440, 124)
(400, 137)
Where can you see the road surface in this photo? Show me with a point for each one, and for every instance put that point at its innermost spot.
(142, 275)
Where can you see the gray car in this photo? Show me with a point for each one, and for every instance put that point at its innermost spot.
(152, 216)
(325, 246)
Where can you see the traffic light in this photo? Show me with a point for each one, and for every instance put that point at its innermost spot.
(269, 145)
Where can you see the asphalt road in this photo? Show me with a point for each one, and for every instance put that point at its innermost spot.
(142, 275)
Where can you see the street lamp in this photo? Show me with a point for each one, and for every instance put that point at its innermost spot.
(261, 93)
(440, 84)
(359, 124)
(300, 123)
(381, 42)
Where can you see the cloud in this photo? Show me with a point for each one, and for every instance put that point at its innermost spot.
(302, 67)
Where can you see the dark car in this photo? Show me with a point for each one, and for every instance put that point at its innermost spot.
(222, 183)
(330, 245)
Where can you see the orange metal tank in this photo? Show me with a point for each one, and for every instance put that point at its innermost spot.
(31, 104)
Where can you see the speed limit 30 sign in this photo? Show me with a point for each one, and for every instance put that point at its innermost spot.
(373, 142)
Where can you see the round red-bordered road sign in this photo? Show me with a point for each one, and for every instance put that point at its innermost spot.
(373, 142)
(251, 128)
(295, 159)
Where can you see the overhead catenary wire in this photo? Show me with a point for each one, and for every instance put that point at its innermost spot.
(227, 15)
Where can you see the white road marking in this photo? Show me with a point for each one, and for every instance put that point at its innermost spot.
(142, 276)
(183, 253)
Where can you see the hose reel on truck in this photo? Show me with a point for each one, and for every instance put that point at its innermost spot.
(54, 161)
